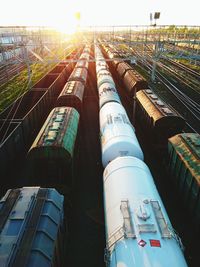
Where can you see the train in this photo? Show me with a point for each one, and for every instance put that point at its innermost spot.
(138, 230)
(117, 133)
(169, 139)
(51, 155)
(33, 229)
(133, 80)
(21, 121)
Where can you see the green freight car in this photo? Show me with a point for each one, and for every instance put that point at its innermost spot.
(50, 158)
(184, 166)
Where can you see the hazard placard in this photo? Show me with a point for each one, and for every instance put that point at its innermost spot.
(142, 243)
(155, 243)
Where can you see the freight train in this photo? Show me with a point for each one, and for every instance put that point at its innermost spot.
(164, 127)
(138, 230)
(32, 218)
(52, 153)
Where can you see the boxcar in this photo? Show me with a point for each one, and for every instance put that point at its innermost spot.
(134, 82)
(156, 117)
(79, 74)
(50, 159)
(184, 166)
(32, 228)
(122, 68)
(71, 95)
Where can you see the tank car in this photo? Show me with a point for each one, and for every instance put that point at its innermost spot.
(101, 66)
(50, 158)
(104, 76)
(138, 230)
(108, 93)
(117, 134)
(71, 96)
(32, 228)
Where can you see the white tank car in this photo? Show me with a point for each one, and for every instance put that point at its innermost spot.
(138, 230)
(108, 93)
(104, 76)
(101, 65)
(117, 134)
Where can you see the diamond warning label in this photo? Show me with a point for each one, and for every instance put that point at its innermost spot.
(142, 243)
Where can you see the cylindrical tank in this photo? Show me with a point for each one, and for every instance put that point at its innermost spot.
(108, 93)
(138, 230)
(101, 65)
(104, 76)
(117, 134)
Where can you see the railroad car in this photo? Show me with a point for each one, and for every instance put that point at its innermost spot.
(104, 76)
(82, 63)
(10, 54)
(122, 68)
(138, 230)
(117, 134)
(107, 93)
(184, 167)
(134, 82)
(79, 74)
(83, 60)
(101, 66)
(156, 117)
(71, 96)
(50, 158)
(32, 228)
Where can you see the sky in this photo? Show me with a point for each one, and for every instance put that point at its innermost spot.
(60, 13)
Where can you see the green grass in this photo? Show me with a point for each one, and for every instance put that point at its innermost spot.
(14, 88)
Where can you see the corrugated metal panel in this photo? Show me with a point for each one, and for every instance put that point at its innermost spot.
(122, 68)
(134, 82)
(32, 232)
(184, 152)
(158, 116)
(64, 135)
(50, 159)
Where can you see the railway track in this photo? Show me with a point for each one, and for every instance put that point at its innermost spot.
(86, 220)
(186, 106)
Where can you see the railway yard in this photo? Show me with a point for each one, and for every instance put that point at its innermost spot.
(109, 123)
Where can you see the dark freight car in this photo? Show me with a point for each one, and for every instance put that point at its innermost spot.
(30, 109)
(134, 82)
(184, 166)
(50, 159)
(122, 68)
(32, 228)
(12, 146)
(79, 74)
(156, 117)
(71, 95)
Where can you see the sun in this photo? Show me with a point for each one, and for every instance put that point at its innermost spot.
(66, 28)
(70, 24)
